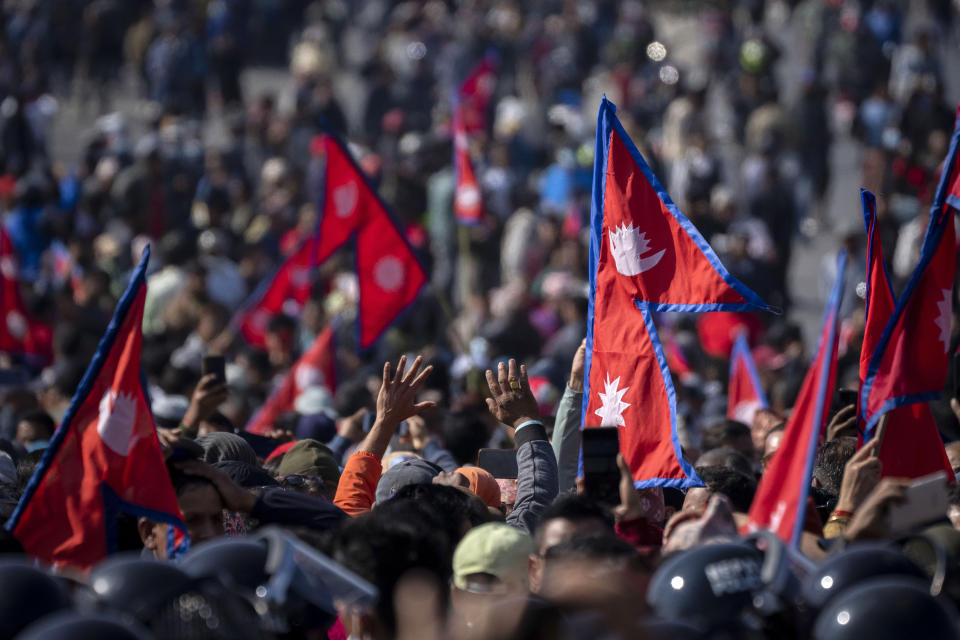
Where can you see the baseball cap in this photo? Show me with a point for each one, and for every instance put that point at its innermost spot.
(494, 549)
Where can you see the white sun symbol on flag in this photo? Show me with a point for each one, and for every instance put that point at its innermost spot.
(611, 413)
(943, 319)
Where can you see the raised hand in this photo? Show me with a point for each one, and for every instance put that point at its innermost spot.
(395, 400)
(209, 394)
(511, 401)
(860, 476)
(844, 423)
(579, 367)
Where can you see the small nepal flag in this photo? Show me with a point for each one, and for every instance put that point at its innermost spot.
(104, 458)
(780, 502)
(315, 368)
(948, 188)
(286, 291)
(467, 202)
(645, 256)
(745, 394)
(389, 274)
(912, 447)
(475, 93)
(909, 360)
(20, 333)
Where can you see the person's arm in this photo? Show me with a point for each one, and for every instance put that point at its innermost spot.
(358, 482)
(566, 429)
(271, 506)
(512, 403)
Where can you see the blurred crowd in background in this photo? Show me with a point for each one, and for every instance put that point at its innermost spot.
(737, 106)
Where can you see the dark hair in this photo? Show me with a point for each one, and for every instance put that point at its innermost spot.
(733, 484)
(598, 548)
(41, 419)
(464, 434)
(220, 421)
(182, 482)
(831, 459)
(387, 544)
(723, 433)
(573, 507)
(281, 322)
(726, 457)
(453, 507)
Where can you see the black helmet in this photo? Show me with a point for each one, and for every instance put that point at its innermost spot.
(236, 562)
(127, 583)
(26, 595)
(710, 586)
(169, 602)
(69, 625)
(889, 607)
(852, 566)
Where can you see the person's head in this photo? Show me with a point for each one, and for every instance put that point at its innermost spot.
(771, 444)
(726, 457)
(202, 509)
(220, 445)
(763, 421)
(214, 423)
(601, 573)
(384, 547)
(477, 481)
(311, 458)
(569, 516)
(281, 331)
(738, 488)
(729, 433)
(953, 454)
(454, 510)
(829, 464)
(408, 472)
(35, 427)
(464, 434)
(492, 559)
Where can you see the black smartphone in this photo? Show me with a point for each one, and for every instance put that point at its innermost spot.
(845, 397)
(501, 463)
(601, 475)
(215, 365)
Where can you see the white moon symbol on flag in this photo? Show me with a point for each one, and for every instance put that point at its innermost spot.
(388, 273)
(468, 196)
(627, 244)
(345, 199)
(308, 376)
(115, 423)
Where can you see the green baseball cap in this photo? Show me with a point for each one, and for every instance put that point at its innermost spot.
(494, 549)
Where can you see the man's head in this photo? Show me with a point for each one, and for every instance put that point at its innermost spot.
(738, 487)
(729, 433)
(311, 458)
(568, 517)
(726, 457)
(771, 444)
(202, 509)
(829, 464)
(35, 428)
(492, 558)
(953, 454)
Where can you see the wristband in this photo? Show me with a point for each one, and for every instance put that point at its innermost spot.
(523, 424)
(840, 513)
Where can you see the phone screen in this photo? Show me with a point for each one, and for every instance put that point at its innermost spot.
(601, 475)
(215, 365)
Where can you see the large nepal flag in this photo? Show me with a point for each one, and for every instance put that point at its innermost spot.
(316, 367)
(645, 256)
(909, 361)
(781, 498)
(912, 447)
(467, 202)
(104, 458)
(19, 332)
(745, 394)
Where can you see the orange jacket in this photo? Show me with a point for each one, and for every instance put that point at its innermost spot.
(358, 483)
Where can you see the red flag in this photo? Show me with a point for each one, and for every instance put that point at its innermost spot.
(781, 498)
(912, 447)
(467, 203)
(19, 332)
(745, 394)
(909, 362)
(285, 292)
(676, 358)
(316, 367)
(348, 200)
(644, 256)
(475, 94)
(389, 274)
(104, 458)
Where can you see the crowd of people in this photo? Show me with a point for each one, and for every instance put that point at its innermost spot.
(365, 512)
